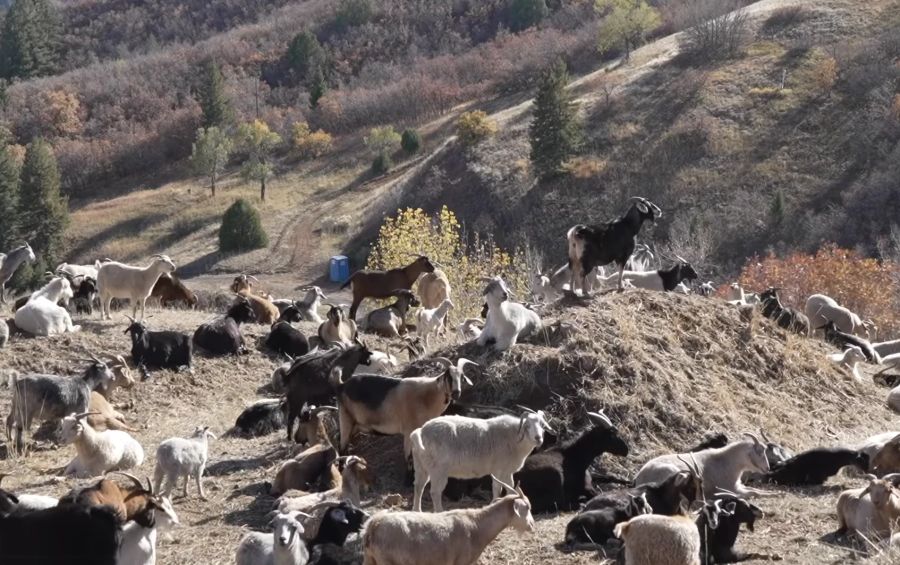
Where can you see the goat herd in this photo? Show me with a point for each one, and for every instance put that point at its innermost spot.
(452, 447)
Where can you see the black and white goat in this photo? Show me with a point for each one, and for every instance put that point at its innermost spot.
(843, 340)
(787, 318)
(719, 523)
(663, 280)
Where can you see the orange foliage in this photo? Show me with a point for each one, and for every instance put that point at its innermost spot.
(865, 286)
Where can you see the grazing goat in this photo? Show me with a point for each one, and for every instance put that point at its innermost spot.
(597, 526)
(307, 381)
(557, 479)
(719, 468)
(596, 245)
(391, 406)
(849, 360)
(261, 418)
(719, 524)
(140, 536)
(266, 312)
(117, 280)
(843, 340)
(182, 457)
(785, 317)
(431, 321)
(383, 284)
(171, 291)
(337, 328)
(390, 321)
(50, 397)
(815, 466)
(309, 306)
(433, 289)
(42, 316)
(158, 349)
(507, 322)
(651, 539)
(284, 338)
(448, 538)
(672, 496)
(283, 547)
(222, 336)
(663, 280)
(468, 448)
(870, 512)
(9, 264)
(98, 452)
(821, 309)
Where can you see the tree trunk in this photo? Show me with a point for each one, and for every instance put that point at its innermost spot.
(262, 188)
(213, 184)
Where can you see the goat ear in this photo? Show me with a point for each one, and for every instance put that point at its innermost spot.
(340, 516)
(730, 507)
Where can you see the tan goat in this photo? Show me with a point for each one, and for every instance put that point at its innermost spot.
(103, 416)
(873, 511)
(433, 289)
(266, 312)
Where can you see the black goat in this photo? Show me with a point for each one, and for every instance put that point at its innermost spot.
(710, 441)
(593, 246)
(719, 524)
(815, 466)
(339, 522)
(786, 317)
(284, 338)
(84, 295)
(78, 534)
(159, 350)
(596, 526)
(842, 340)
(558, 478)
(667, 497)
(307, 381)
(223, 335)
(260, 418)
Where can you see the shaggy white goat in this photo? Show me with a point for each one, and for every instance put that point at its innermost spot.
(506, 322)
(98, 452)
(182, 457)
(284, 547)
(117, 280)
(849, 360)
(431, 321)
(651, 539)
(44, 317)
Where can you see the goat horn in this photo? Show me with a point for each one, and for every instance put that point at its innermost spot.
(444, 361)
(680, 258)
(762, 432)
(504, 485)
(252, 278)
(462, 362)
(85, 414)
(318, 409)
(149, 486)
(486, 279)
(752, 436)
(135, 480)
(599, 416)
(525, 408)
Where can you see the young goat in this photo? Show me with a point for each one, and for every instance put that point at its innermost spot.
(390, 321)
(117, 280)
(849, 360)
(507, 322)
(431, 322)
(663, 280)
(182, 457)
(719, 524)
(433, 288)
(98, 452)
(843, 340)
(383, 284)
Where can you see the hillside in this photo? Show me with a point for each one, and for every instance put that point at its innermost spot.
(665, 368)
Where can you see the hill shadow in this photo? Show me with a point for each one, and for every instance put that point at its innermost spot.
(126, 228)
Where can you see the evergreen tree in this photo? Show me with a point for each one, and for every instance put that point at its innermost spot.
(9, 200)
(211, 96)
(241, 228)
(43, 211)
(776, 209)
(522, 14)
(555, 131)
(317, 87)
(305, 55)
(29, 44)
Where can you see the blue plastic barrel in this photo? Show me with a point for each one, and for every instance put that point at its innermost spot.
(339, 268)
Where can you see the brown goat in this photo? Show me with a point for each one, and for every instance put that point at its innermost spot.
(887, 460)
(103, 416)
(433, 289)
(170, 290)
(122, 377)
(126, 502)
(266, 312)
(382, 284)
(310, 467)
(390, 321)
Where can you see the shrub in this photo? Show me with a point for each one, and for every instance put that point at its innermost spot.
(352, 13)
(242, 228)
(474, 127)
(714, 29)
(310, 144)
(442, 239)
(626, 25)
(382, 140)
(823, 74)
(522, 14)
(783, 18)
(381, 164)
(410, 141)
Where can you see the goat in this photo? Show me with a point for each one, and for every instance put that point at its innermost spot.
(651, 539)
(121, 376)
(785, 317)
(662, 280)
(284, 338)
(596, 526)
(383, 284)
(433, 288)
(84, 294)
(719, 468)
(158, 349)
(558, 478)
(431, 321)
(843, 340)
(9, 264)
(470, 329)
(182, 457)
(507, 322)
(128, 502)
(870, 512)
(98, 452)
(468, 448)
(23, 502)
(354, 476)
(390, 321)
(306, 468)
(103, 416)
(170, 291)
(260, 418)
(139, 537)
(849, 360)
(390, 406)
(283, 547)
(380, 363)
(738, 297)
(117, 280)
(887, 459)
(542, 290)
(222, 336)
(456, 536)
(821, 309)
(266, 312)
(49, 397)
(4, 333)
(706, 289)
(813, 467)
(309, 306)
(338, 522)
(42, 316)
(668, 497)
(307, 381)
(337, 328)
(596, 245)
(872, 445)
(719, 524)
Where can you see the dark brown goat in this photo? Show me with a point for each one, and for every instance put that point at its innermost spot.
(127, 502)
(169, 289)
(383, 284)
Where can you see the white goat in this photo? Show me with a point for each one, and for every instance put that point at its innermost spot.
(182, 457)
(849, 360)
(139, 542)
(380, 363)
(309, 306)
(117, 280)
(98, 452)
(470, 329)
(431, 321)
(77, 271)
(651, 539)
(468, 448)
(542, 289)
(821, 309)
(737, 296)
(506, 322)
(720, 468)
(42, 316)
(448, 538)
(284, 547)
(893, 399)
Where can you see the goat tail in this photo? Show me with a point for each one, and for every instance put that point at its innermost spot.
(348, 282)
(621, 530)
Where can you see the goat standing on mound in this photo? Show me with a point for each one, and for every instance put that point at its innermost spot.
(383, 284)
(593, 246)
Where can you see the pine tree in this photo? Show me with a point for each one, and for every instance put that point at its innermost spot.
(522, 14)
(241, 228)
(43, 211)
(29, 44)
(211, 96)
(317, 87)
(555, 131)
(9, 200)
(305, 55)
(776, 209)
